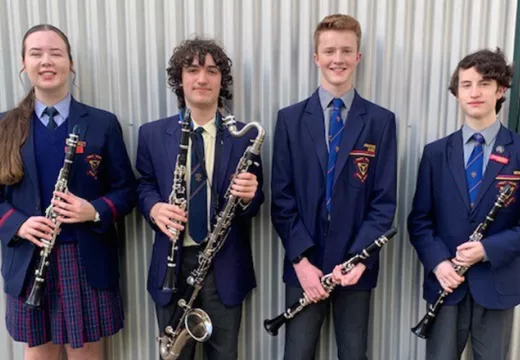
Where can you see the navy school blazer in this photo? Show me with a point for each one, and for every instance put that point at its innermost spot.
(441, 219)
(157, 151)
(101, 173)
(364, 190)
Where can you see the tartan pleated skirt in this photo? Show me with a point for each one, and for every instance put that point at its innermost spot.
(71, 312)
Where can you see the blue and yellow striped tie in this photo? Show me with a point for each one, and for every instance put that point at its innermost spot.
(474, 168)
(335, 134)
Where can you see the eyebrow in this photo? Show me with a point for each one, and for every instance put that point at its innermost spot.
(40, 49)
(339, 47)
(199, 66)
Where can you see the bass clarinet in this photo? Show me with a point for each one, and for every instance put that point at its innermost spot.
(422, 329)
(192, 323)
(273, 325)
(35, 296)
(177, 197)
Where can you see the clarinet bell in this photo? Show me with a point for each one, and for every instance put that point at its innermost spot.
(169, 281)
(35, 297)
(422, 329)
(272, 326)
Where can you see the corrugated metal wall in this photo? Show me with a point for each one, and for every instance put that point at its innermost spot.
(409, 47)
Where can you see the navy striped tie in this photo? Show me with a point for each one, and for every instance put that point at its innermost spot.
(335, 135)
(474, 168)
(198, 208)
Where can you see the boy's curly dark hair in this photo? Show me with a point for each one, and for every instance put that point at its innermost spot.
(492, 65)
(183, 56)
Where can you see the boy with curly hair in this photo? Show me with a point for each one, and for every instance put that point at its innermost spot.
(459, 179)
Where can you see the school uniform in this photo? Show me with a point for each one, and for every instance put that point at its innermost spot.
(231, 276)
(452, 197)
(328, 225)
(81, 300)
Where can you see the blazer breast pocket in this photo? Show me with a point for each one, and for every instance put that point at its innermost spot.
(360, 163)
(501, 181)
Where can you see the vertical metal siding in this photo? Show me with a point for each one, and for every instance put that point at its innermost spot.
(410, 48)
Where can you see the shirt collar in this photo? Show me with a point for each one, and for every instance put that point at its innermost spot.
(63, 107)
(489, 134)
(210, 127)
(326, 98)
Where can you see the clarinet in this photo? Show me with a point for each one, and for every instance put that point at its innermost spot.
(192, 323)
(35, 296)
(422, 329)
(273, 325)
(177, 197)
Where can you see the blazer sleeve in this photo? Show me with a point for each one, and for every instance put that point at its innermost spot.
(421, 221)
(382, 198)
(147, 188)
(284, 209)
(502, 247)
(10, 220)
(119, 200)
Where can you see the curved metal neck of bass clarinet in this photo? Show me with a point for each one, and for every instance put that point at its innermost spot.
(231, 124)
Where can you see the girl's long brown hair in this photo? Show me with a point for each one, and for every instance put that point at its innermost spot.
(14, 127)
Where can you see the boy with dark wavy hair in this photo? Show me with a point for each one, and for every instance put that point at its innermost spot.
(199, 73)
(459, 179)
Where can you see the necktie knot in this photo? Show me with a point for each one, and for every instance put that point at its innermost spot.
(478, 138)
(51, 112)
(337, 103)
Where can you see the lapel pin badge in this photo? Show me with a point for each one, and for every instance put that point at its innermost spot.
(500, 149)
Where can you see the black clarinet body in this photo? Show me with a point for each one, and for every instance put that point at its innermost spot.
(35, 296)
(178, 197)
(272, 326)
(422, 329)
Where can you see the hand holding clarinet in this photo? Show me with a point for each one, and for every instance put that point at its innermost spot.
(447, 279)
(329, 282)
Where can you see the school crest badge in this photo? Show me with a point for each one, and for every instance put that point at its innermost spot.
(362, 164)
(93, 160)
(362, 160)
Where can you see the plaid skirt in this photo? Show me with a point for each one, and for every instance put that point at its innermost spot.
(71, 312)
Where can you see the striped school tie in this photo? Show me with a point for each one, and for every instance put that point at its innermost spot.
(335, 135)
(474, 168)
(198, 208)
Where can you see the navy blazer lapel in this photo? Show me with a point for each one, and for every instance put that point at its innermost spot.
(354, 124)
(313, 118)
(28, 157)
(225, 154)
(172, 138)
(78, 115)
(493, 167)
(455, 159)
